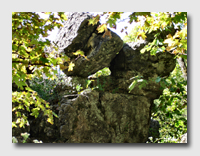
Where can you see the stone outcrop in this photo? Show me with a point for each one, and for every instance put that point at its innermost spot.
(130, 62)
(105, 112)
(105, 118)
(77, 34)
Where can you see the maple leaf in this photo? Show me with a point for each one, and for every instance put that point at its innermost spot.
(102, 28)
(142, 35)
(94, 20)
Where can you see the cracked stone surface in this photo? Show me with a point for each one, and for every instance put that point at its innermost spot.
(105, 118)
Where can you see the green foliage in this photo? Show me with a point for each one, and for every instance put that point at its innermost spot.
(14, 140)
(94, 20)
(133, 36)
(103, 72)
(171, 107)
(100, 86)
(139, 81)
(46, 88)
(99, 77)
(29, 60)
(112, 18)
(78, 87)
(25, 100)
(25, 136)
(159, 22)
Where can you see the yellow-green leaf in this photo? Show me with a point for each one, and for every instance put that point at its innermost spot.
(79, 52)
(71, 66)
(132, 85)
(102, 28)
(14, 124)
(94, 20)
(50, 120)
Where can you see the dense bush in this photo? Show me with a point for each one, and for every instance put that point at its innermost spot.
(46, 88)
(171, 108)
(49, 89)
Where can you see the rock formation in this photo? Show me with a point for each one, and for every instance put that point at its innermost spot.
(77, 34)
(109, 113)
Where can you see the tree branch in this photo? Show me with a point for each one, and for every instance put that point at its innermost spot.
(28, 63)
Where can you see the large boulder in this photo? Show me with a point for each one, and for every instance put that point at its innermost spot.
(97, 117)
(99, 49)
(130, 62)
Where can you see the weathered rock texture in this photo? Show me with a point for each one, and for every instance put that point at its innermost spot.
(154, 130)
(105, 118)
(107, 114)
(130, 62)
(77, 34)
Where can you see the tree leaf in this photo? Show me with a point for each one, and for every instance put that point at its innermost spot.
(70, 67)
(79, 52)
(158, 79)
(94, 20)
(102, 28)
(132, 85)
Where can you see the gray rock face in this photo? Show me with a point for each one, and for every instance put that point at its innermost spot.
(131, 60)
(75, 33)
(99, 50)
(105, 118)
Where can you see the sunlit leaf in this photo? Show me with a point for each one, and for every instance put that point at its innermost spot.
(132, 85)
(102, 28)
(71, 65)
(94, 20)
(79, 52)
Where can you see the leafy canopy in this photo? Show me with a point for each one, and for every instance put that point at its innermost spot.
(157, 22)
(29, 60)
